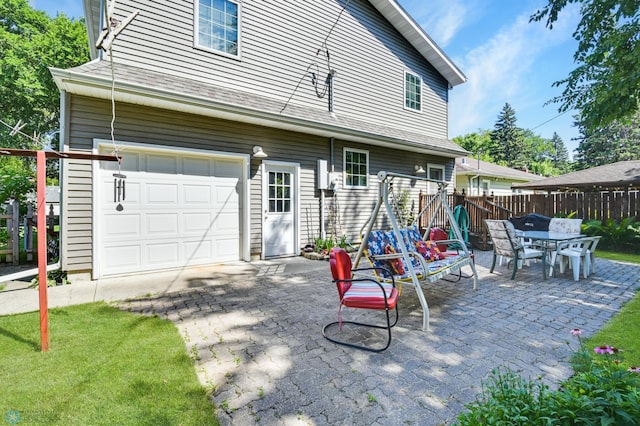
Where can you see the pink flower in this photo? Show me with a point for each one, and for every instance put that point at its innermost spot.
(634, 369)
(576, 332)
(603, 349)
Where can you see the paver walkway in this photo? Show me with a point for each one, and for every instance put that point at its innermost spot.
(259, 345)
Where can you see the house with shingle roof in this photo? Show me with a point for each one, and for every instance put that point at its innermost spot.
(246, 128)
(621, 175)
(477, 177)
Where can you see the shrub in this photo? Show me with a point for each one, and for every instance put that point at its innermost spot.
(621, 236)
(601, 392)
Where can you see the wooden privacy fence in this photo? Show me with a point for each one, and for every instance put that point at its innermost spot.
(604, 205)
(14, 229)
(10, 224)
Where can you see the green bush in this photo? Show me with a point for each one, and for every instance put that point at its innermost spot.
(623, 236)
(601, 392)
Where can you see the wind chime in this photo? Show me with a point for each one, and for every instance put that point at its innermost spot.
(111, 28)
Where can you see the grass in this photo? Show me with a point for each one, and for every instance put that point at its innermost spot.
(624, 257)
(623, 331)
(104, 367)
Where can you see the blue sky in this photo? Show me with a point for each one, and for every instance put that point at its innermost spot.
(505, 58)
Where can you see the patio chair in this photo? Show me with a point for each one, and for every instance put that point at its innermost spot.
(362, 293)
(578, 251)
(507, 244)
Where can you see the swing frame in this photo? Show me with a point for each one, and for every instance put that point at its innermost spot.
(385, 179)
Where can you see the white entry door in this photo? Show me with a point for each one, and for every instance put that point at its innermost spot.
(280, 207)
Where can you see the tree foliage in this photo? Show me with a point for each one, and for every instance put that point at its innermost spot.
(618, 141)
(605, 86)
(509, 146)
(30, 43)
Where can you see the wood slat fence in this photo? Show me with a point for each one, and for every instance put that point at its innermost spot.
(616, 205)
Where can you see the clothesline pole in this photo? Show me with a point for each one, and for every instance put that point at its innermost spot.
(41, 167)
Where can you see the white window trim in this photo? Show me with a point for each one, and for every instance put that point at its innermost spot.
(344, 168)
(196, 14)
(433, 187)
(404, 93)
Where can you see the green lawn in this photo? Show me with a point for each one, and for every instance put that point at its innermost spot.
(623, 331)
(104, 367)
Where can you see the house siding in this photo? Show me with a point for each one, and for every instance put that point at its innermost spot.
(90, 119)
(280, 41)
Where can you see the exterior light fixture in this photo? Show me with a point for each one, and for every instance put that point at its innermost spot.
(419, 170)
(258, 152)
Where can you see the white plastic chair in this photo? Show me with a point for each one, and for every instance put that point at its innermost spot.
(578, 252)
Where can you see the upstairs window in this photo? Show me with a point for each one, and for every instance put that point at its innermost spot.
(356, 168)
(412, 92)
(217, 26)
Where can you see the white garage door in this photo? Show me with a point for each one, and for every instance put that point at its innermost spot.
(178, 211)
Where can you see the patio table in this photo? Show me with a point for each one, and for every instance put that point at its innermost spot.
(546, 239)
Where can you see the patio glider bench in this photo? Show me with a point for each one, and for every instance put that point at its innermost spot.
(426, 262)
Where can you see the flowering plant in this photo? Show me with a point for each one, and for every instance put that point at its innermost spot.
(601, 392)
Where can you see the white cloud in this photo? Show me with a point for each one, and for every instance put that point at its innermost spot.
(501, 70)
(445, 19)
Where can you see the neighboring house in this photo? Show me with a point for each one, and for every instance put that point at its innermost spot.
(480, 178)
(332, 91)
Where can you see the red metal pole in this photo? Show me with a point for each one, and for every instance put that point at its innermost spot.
(41, 178)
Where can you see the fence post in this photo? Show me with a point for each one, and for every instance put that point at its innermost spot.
(14, 232)
(28, 233)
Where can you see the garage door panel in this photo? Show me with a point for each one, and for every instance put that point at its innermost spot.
(178, 211)
(226, 195)
(227, 169)
(157, 193)
(200, 250)
(197, 222)
(196, 167)
(227, 249)
(161, 224)
(122, 224)
(165, 253)
(196, 194)
(227, 223)
(122, 257)
(161, 164)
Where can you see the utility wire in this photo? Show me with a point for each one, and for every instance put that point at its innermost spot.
(551, 119)
(321, 48)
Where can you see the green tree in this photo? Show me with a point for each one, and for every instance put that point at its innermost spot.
(605, 86)
(509, 146)
(560, 156)
(617, 141)
(479, 141)
(30, 43)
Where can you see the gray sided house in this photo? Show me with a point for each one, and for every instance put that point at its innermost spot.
(332, 91)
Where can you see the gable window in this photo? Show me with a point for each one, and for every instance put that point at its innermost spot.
(217, 26)
(412, 92)
(356, 168)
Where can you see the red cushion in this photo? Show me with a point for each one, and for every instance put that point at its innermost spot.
(369, 295)
(438, 234)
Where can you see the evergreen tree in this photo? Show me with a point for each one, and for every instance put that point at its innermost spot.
(560, 155)
(508, 143)
(617, 141)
